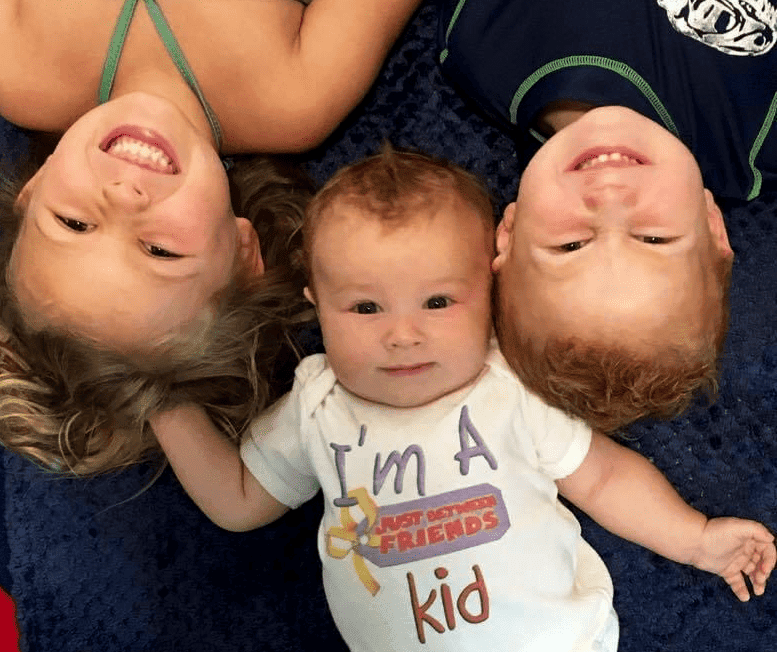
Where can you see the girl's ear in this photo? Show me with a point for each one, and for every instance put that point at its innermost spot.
(25, 195)
(717, 224)
(504, 232)
(309, 295)
(249, 251)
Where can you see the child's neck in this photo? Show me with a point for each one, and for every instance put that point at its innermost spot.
(559, 114)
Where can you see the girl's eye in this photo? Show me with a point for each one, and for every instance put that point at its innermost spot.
(158, 252)
(73, 225)
(366, 308)
(655, 239)
(571, 246)
(436, 303)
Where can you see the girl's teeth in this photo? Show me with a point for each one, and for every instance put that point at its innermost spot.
(607, 158)
(136, 151)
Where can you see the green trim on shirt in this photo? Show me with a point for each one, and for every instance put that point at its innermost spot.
(617, 67)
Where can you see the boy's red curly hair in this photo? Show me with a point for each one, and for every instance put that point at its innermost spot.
(611, 386)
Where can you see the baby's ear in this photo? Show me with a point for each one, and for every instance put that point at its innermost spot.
(504, 231)
(309, 295)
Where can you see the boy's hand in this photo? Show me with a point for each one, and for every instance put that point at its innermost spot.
(732, 546)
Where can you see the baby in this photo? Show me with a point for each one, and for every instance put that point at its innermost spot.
(442, 527)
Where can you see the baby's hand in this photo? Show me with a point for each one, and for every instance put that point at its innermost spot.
(733, 546)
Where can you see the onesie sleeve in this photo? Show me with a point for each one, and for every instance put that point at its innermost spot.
(561, 441)
(274, 451)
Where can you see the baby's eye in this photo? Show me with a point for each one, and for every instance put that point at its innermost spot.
(655, 239)
(435, 303)
(366, 308)
(73, 225)
(159, 252)
(571, 246)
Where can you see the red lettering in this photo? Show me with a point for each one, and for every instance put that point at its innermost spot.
(454, 530)
(404, 541)
(419, 611)
(490, 520)
(478, 585)
(472, 525)
(386, 543)
(435, 534)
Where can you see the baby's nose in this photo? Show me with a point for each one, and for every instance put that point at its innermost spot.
(403, 332)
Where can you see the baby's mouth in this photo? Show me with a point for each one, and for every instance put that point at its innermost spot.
(141, 147)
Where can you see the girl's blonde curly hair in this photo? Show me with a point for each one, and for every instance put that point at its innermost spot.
(72, 406)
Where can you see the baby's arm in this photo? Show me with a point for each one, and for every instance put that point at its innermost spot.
(629, 496)
(210, 469)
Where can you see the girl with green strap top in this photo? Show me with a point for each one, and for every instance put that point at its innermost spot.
(129, 278)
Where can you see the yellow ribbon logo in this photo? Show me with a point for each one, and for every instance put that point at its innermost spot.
(352, 534)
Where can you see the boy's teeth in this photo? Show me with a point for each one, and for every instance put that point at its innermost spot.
(607, 158)
(136, 151)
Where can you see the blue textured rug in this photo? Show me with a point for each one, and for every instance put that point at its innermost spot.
(155, 574)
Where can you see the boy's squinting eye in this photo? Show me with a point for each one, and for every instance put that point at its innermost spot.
(435, 303)
(73, 225)
(655, 239)
(366, 308)
(571, 246)
(158, 252)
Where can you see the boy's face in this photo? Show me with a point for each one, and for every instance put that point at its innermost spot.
(612, 234)
(404, 310)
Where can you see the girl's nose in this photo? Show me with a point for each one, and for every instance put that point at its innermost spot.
(126, 194)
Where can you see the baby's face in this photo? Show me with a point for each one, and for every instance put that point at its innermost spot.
(128, 230)
(612, 234)
(405, 311)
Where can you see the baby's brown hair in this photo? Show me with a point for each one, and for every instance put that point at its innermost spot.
(394, 186)
(72, 405)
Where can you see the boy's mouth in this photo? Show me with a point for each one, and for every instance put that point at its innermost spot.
(605, 157)
(141, 147)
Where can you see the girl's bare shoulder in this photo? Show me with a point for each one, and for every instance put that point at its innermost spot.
(52, 53)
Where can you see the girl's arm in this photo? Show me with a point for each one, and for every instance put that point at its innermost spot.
(629, 496)
(209, 467)
(312, 75)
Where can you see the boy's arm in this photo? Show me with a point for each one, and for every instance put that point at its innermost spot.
(629, 496)
(209, 467)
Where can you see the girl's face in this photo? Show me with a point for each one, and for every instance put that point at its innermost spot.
(128, 229)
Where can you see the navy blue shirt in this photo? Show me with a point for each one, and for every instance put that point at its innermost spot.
(708, 72)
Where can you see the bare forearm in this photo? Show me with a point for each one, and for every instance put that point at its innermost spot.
(634, 500)
(342, 46)
(209, 467)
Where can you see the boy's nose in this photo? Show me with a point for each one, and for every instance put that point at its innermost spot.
(403, 333)
(608, 195)
(126, 194)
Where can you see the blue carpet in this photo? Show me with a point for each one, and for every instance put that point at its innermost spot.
(92, 575)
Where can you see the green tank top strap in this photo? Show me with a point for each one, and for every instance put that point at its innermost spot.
(171, 45)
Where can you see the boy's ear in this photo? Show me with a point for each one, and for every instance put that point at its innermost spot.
(249, 251)
(309, 295)
(717, 224)
(504, 231)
